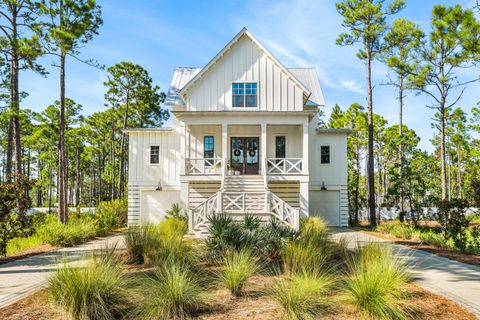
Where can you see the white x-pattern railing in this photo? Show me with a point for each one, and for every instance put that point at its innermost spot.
(243, 203)
(284, 166)
(201, 166)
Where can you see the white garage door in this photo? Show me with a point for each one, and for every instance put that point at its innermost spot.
(326, 205)
(154, 204)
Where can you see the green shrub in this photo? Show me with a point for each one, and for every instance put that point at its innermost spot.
(433, 238)
(452, 217)
(17, 245)
(78, 230)
(303, 296)
(474, 218)
(376, 281)
(238, 266)
(314, 229)
(94, 292)
(172, 292)
(177, 212)
(111, 215)
(153, 244)
(300, 255)
(398, 229)
(136, 238)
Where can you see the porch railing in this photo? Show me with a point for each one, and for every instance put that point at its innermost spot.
(284, 166)
(223, 202)
(201, 166)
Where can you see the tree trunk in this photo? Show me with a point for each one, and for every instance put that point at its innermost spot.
(112, 155)
(357, 184)
(459, 171)
(10, 147)
(400, 150)
(370, 160)
(62, 155)
(77, 178)
(122, 149)
(14, 94)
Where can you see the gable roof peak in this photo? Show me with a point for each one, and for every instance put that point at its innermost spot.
(229, 45)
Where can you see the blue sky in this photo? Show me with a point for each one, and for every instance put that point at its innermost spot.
(161, 34)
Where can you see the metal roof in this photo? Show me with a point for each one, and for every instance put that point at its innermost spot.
(181, 76)
(307, 76)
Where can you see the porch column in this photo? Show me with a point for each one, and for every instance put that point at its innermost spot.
(263, 148)
(183, 149)
(304, 198)
(224, 141)
(305, 148)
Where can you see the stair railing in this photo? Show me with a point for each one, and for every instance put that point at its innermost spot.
(282, 211)
(198, 216)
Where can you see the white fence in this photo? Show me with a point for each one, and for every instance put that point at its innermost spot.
(392, 213)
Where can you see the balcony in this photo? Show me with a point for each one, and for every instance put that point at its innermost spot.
(284, 166)
(203, 166)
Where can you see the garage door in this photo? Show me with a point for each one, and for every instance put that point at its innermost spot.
(154, 204)
(326, 205)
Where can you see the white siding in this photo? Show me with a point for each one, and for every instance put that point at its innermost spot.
(141, 172)
(293, 138)
(154, 204)
(245, 62)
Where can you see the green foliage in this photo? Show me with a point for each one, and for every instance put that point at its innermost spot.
(96, 291)
(172, 292)
(266, 241)
(155, 244)
(111, 215)
(19, 244)
(238, 267)
(78, 230)
(376, 280)
(433, 238)
(399, 229)
(303, 296)
(454, 223)
(177, 212)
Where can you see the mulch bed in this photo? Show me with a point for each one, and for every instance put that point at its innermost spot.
(442, 252)
(256, 304)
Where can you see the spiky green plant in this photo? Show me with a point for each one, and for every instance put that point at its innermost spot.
(303, 296)
(300, 255)
(238, 266)
(94, 292)
(376, 280)
(136, 242)
(172, 292)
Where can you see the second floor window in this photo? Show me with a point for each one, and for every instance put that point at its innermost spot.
(154, 154)
(244, 94)
(208, 147)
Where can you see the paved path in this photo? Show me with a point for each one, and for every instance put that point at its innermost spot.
(457, 281)
(23, 277)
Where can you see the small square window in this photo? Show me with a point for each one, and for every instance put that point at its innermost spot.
(325, 154)
(154, 154)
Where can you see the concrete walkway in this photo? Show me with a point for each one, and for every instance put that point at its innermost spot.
(21, 278)
(454, 280)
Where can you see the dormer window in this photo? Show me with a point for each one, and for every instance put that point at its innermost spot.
(244, 94)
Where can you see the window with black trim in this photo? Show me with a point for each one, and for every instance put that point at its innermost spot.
(280, 147)
(208, 147)
(244, 94)
(154, 154)
(325, 154)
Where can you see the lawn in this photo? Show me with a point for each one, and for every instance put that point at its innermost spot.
(242, 270)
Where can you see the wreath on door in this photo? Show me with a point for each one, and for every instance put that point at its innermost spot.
(236, 152)
(252, 153)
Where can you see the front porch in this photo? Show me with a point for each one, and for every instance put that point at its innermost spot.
(243, 158)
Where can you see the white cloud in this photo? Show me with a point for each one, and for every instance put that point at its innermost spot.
(353, 86)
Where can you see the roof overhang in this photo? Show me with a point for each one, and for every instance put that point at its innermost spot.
(147, 130)
(335, 130)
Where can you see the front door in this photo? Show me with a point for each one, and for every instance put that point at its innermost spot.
(244, 154)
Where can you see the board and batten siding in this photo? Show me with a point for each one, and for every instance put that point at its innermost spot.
(245, 62)
(143, 174)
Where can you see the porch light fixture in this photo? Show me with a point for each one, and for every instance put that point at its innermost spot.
(323, 186)
(159, 187)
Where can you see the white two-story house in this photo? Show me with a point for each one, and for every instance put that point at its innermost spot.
(244, 140)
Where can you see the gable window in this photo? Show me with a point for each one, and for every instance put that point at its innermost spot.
(244, 94)
(208, 147)
(280, 147)
(154, 154)
(325, 154)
